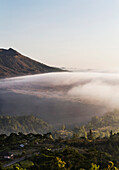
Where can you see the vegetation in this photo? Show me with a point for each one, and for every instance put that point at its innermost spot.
(24, 124)
(45, 152)
(101, 126)
(85, 148)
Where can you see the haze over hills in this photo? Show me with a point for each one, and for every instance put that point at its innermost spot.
(57, 98)
(24, 124)
(12, 63)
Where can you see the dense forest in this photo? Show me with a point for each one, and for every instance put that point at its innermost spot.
(24, 124)
(101, 126)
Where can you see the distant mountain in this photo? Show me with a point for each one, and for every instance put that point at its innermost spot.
(12, 63)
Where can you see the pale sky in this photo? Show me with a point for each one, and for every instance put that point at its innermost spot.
(70, 33)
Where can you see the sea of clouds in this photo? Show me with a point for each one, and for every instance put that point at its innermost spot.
(88, 87)
(69, 97)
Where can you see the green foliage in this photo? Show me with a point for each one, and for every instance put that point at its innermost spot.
(94, 167)
(59, 164)
(85, 153)
(18, 168)
(109, 120)
(44, 161)
(101, 126)
(111, 166)
(26, 164)
(67, 154)
(24, 124)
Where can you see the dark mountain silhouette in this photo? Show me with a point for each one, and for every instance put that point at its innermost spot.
(12, 63)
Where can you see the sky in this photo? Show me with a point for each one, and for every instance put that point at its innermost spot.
(63, 33)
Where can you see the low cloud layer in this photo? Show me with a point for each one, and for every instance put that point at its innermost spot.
(87, 87)
(60, 97)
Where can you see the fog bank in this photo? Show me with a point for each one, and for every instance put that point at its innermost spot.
(67, 95)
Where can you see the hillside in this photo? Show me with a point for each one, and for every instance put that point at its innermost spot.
(12, 63)
(101, 126)
(24, 124)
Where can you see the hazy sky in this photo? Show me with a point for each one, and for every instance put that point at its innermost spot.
(71, 33)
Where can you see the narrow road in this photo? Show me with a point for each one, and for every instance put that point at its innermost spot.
(13, 162)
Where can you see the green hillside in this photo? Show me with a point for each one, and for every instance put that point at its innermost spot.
(100, 126)
(24, 124)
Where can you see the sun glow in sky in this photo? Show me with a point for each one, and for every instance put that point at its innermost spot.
(70, 33)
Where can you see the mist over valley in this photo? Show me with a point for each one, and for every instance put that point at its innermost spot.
(70, 97)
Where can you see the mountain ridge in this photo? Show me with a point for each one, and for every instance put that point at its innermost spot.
(13, 63)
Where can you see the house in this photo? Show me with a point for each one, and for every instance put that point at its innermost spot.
(21, 145)
(6, 155)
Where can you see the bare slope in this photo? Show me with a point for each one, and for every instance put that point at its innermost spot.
(12, 63)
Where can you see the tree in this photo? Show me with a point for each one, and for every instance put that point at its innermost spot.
(63, 127)
(90, 135)
(111, 134)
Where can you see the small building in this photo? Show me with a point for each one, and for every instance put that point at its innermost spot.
(6, 155)
(21, 145)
